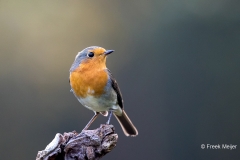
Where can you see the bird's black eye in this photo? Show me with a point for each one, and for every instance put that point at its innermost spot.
(90, 54)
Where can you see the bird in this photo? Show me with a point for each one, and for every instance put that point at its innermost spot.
(95, 88)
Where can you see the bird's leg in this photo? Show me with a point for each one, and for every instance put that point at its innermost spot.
(91, 121)
(110, 115)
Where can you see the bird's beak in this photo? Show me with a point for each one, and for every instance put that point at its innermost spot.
(107, 52)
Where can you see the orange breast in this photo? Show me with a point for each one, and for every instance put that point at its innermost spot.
(88, 79)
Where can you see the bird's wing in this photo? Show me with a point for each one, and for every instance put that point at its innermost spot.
(116, 89)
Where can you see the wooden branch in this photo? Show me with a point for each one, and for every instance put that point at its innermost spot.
(88, 145)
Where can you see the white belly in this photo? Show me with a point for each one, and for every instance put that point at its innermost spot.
(99, 104)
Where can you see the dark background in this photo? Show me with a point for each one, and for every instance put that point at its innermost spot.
(177, 64)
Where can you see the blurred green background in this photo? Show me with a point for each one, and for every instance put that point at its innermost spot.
(177, 64)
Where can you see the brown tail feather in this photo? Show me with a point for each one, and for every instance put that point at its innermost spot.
(127, 126)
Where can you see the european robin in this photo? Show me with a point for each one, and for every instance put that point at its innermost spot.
(96, 89)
